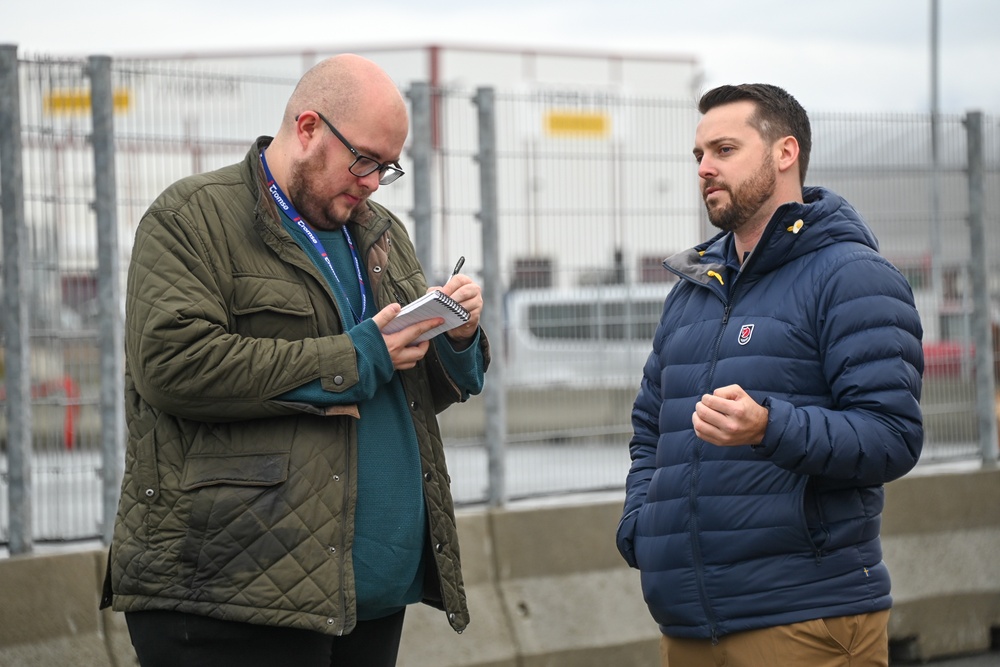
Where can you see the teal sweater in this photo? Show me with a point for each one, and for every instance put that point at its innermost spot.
(390, 521)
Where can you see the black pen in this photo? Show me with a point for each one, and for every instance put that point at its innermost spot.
(458, 266)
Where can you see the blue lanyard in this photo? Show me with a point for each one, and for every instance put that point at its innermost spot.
(286, 207)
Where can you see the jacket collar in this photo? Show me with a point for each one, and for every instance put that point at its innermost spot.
(795, 229)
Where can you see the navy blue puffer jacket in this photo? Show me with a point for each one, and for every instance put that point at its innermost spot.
(821, 330)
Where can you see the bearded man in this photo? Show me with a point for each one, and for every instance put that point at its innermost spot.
(781, 394)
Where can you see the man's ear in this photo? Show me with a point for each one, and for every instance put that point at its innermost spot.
(306, 125)
(787, 153)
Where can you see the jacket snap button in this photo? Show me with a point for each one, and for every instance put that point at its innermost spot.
(377, 269)
(439, 547)
(329, 621)
(150, 493)
(427, 476)
(336, 478)
(333, 550)
(413, 405)
(338, 380)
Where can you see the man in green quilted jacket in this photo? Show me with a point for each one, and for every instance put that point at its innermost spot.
(285, 493)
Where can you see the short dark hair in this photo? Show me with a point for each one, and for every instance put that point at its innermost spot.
(777, 114)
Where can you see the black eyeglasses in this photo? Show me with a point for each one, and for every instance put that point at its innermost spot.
(364, 165)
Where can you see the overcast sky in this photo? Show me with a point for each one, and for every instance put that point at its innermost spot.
(842, 55)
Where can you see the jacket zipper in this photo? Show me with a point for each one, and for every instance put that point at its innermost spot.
(718, 344)
(695, 542)
(729, 300)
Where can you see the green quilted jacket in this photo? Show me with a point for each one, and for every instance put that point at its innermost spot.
(234, 504)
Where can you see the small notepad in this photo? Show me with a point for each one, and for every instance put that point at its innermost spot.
(431, 305)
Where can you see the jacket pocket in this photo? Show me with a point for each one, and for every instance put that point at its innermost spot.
(229, 498)
(266, 469)
(271, 307)
(816, 530)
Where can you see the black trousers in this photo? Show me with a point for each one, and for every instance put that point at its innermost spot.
(176, 639)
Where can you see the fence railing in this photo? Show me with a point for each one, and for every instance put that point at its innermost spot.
(565, 229)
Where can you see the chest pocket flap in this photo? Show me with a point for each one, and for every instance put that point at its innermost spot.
(271, 307)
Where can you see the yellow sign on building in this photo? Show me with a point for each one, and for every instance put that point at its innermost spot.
(592, 124)
(77, 101)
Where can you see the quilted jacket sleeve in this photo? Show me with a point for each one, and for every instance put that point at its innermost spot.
(180, 345)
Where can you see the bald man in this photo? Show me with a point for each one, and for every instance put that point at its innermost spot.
(285, 493)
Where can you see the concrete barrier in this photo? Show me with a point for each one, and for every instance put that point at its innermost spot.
(941, 540)
(546, 587)
(49, 615)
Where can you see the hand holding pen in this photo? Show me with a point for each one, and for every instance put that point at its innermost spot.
(462, 289)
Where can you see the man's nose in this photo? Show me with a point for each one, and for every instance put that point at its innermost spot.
(706, 169)
(370, 182)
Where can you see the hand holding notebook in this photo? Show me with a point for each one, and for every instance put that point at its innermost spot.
(431, 305)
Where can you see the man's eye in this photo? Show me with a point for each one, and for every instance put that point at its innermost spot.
(725, 150)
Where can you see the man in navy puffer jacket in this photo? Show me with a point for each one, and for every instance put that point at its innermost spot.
(782, 392)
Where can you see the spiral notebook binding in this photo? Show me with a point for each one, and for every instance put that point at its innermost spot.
(453, 306)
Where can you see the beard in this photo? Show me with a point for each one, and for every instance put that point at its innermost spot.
(308, 201)
(744, 201)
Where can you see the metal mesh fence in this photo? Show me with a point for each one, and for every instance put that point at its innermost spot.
(594, 190)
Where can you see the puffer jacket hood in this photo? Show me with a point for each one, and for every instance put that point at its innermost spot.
(829, 218)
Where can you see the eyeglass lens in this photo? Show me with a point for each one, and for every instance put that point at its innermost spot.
(363, 166)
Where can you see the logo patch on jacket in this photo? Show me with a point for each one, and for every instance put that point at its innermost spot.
(745, 332)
